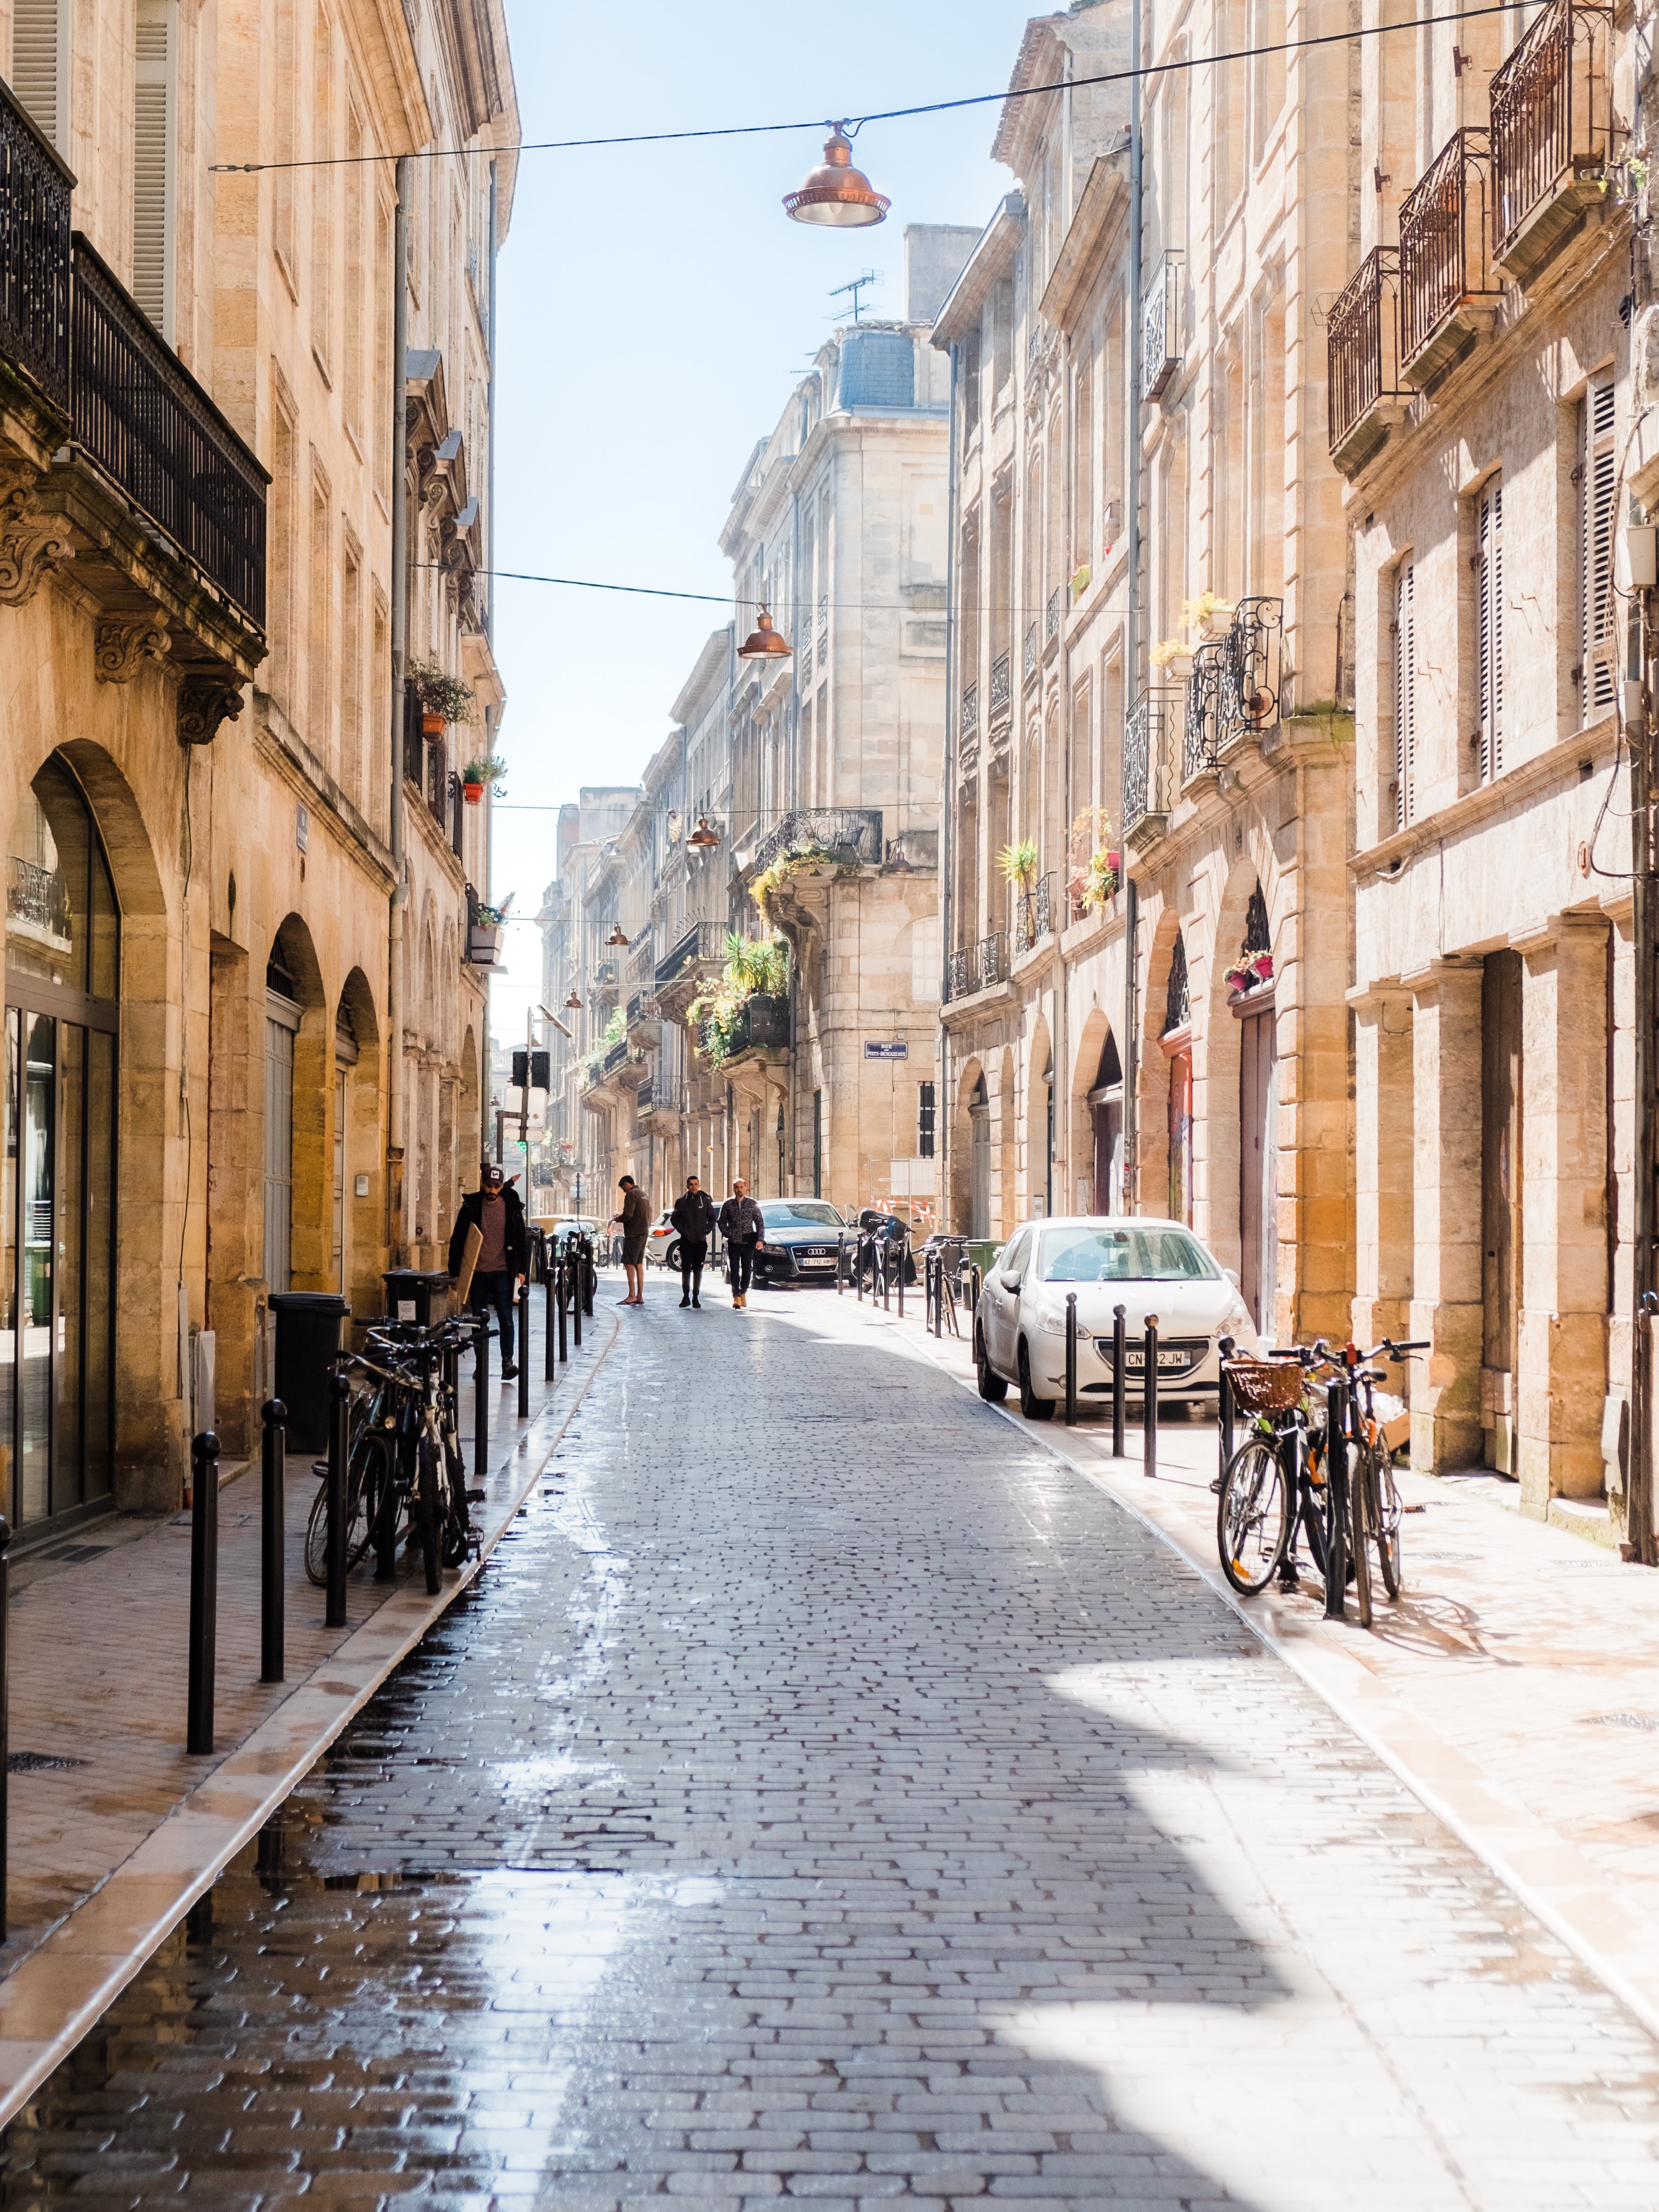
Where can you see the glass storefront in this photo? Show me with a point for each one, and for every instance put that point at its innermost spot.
(58, 1201)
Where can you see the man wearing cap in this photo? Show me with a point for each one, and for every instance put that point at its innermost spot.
(497, 1212)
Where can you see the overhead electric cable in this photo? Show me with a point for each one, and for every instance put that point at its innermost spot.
(883, 115)
(728, 600)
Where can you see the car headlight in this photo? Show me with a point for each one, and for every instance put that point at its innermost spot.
(1236, 1318)
(1052, 1324)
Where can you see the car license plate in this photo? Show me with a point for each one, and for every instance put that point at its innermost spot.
(1136, 1356)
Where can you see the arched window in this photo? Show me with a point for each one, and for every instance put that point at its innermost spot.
(57, 1204)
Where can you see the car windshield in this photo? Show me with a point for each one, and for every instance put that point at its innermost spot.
(1125, 1256)
(800, 1213)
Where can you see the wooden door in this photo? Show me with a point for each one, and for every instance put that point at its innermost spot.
(1109, 1155)
(1258, 1166)
(1181, 1138)
(979, 1194)
(1500, 1203)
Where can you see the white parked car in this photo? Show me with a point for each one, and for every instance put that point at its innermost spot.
(1147, 1267)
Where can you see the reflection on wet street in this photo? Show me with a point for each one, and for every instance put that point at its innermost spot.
(824, 1794)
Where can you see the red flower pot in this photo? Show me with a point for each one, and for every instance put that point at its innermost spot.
(473, 793)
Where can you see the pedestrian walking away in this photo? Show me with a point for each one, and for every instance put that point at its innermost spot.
(497, 1211)
(741, 1224)
(635, 1230)
(693, 1216)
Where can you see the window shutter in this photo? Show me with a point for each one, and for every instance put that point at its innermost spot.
(1404, 697)
(1598, 471)
(37, 62)
(1489, 565)
(152, 161)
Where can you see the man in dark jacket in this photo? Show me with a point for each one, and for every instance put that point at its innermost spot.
(497, 1212)
(741, 1224)
(636, 1232)
(693, 1218)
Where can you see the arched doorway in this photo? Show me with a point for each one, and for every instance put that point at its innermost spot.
(298, 1221)
(1106, 1127)
(1177, 1043)
(57, 1206)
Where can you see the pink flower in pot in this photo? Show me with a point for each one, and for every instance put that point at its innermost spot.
(1262, 965)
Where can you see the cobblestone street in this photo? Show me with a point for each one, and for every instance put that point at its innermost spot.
(825, 1793)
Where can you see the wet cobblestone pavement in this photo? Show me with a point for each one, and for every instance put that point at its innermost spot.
(824, 1794)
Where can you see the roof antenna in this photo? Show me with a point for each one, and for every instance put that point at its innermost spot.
(858, 285)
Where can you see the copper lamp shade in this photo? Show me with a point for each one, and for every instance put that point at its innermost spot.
(573, 1003)
(763, 642)
(703, 835)
(617, 936)
(837, 195)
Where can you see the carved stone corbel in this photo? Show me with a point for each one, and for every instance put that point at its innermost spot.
(205, 702)
(122, 649)
(32, 544)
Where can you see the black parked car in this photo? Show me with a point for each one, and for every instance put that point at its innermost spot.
(803, 1235)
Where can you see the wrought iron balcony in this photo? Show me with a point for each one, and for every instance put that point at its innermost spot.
(1160, 329)
(977, 967)
(1033, 914)
(1001, 687)
(961, 970)
(993, 960)
(645, 1098)
(1447, 296)
(1031, 650)
(1233, 690)
(1362, 342)
(1052, 620)
(762, 1025)
(1150, 735)
(704, 941)
(970, 710)
(1552, 134)
(851, 835)
(34, 254)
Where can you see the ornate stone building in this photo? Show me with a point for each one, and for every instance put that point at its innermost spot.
(199, 760)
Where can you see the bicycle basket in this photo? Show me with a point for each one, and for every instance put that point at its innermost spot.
(1265, 1386)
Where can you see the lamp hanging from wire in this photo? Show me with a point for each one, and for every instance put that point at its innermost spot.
(573, 1003)
(764, 642)
(617, 936)
(837, 196)
(705, 837)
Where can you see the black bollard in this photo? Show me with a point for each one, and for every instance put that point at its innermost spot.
(590, 1277)
(339, 1457)
(886, 1277)
(575, 1263)
(1120, 1353)
(561, 1271)
(1336, 1495)
(858, 1266)
(481, 1400)
(903, 1270)
(1224, 1404)
(270, 1542)
(1149, 1401)
(1071, 1360)
(5, 1715)
(549, 1345)
(840, 1267)
(524, 1351)
(204, 1591)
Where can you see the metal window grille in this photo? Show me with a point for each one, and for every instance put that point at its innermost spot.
(1489, 625)
(1405, 695)
(926, 1117)
(1598, 470)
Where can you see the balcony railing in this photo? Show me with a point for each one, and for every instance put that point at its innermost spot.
(762, 1025)
(1160, 329)
(1362, 340)
(1052, 617)
(970, 710)
(704, 941)
(1233, 690)
(34, 254)
(960, 971)
(1031, 650)
(1551, 132)
(851, 835)
(1001, 688)
(1150, 735)
(1033, 914)
(646, 1097)
(1445, 255)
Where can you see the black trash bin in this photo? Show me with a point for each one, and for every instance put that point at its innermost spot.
(308, 1341)
(423, 1288)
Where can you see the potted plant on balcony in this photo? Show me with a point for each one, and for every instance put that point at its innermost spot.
(1174, 658)
(1209, 616)
(444, 698)
(755, 969)
(799, 860)
(489, 768)
(1019, 863)
(486, 927)
(1249, 973)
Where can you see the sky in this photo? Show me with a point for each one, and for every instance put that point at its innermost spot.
(657, 310)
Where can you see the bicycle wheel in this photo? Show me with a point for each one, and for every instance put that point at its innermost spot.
(457, 1526)
(317, 1536)
(1359, 1533)
(1385, 1503)
(376, 1493)
(1253, 1520)
(427, 1512)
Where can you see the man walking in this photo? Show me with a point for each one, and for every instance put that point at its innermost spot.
(497, 1211)
(635, 1231)
(693, 1218)
(741, 1224)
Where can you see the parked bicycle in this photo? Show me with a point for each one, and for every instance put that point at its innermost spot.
(1375, 1500)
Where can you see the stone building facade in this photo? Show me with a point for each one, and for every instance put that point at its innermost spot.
(1483, 413)
(200, 754)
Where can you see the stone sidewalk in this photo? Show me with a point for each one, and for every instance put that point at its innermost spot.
(114, 1828)
(1515, 1687)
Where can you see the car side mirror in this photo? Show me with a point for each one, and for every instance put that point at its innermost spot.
(1010, 1282)
(1232, 1275)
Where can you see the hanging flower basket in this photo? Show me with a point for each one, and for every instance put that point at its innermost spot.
(434, 725)
(473, 793)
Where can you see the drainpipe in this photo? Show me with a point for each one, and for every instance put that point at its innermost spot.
(489, 632)
(1129, 1056)
(1638, 1539)
(942, 1112)
(398, 1103)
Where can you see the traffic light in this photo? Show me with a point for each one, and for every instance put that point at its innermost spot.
(541, 1071)
(521, 1070)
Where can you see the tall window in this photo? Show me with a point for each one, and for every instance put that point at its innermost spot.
(1405, 696)
(153, 135)
(925, 1119)
(322, 194)
(39, 65)
(1597, 620)
(1083, 469)
(1489, 625)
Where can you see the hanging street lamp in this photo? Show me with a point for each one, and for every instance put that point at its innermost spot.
(763, 642)
(617, 936)
(573, 1003)
(704, 836)
(837, 196)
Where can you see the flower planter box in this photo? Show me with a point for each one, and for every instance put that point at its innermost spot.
(484, 944)
(434, 725)
(473, 793)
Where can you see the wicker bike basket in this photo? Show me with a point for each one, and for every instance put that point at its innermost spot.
(1265, 1386)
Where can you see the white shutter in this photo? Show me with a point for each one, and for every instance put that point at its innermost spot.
(1405, 696)
(1488, 626)
(39, 38)
(1598, 471)
(152, 163)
